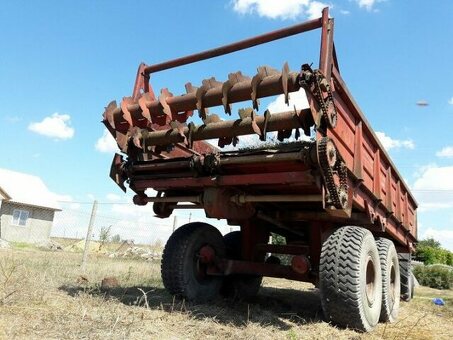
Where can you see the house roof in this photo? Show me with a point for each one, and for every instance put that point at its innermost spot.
(4, 195)
(26, 189)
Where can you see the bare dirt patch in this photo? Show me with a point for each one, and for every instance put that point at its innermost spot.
(45, 295)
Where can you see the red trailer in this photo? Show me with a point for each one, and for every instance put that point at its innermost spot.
(348, 218)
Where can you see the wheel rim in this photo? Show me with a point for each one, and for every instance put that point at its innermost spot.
(370, 287)
(392, 285)
(199, 270)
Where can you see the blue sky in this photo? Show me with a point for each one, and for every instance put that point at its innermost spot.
(63, 61)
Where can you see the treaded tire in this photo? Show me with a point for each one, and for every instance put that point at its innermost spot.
(182, 274)
(350, 279)
(407, 281)
(240, 287)
(390, 280)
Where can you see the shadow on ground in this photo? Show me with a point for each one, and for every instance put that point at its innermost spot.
(272, 306)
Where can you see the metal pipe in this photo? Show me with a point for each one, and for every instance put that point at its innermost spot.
(237, 46)
(243, 198)
(185, 206)
(263, 158)
(168, 165)
(269, 86)
(161, 166)
(231, 267)
(169, 199)
(276, 178)
(229, 128)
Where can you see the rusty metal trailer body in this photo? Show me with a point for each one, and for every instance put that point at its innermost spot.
(305, 190)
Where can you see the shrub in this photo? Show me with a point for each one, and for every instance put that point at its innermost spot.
(434, 276)
(432, 255)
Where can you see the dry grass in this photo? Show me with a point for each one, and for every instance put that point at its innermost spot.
(43, 296)
(107, 247)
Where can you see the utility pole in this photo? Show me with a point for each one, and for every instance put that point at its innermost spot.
(174, 222)
(89, 232)
(190, 217)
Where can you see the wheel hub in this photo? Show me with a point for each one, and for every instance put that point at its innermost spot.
(370, 281)
(392, 283)
(206, 254)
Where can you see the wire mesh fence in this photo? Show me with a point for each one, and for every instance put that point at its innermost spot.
(116, 228)
(123, 221)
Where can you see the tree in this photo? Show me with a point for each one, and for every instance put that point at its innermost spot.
(104, 234)
(116, 238)
(429, 242)
(429, 251)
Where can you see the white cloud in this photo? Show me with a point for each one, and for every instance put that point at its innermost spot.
(445, 236)
(344, 12)
(314, 9)
(139, 222)
(433, 188)
(298, 99)
(390, 143)
(445, 152)
(126, 219)
(435, 178)
(131, 209)
(106, 143)
(282, 9)
(57, 126)
(450, 101)
(367, 4)
(113, 197)
(66, 201)
(421, 169)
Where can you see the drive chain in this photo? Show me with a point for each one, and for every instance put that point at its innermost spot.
(337, 195)
(318, 85)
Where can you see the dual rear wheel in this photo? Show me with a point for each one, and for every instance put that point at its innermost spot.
(359, 279)
(359, 276)
(184, 274)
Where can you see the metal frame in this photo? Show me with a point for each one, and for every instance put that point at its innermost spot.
(262, 190)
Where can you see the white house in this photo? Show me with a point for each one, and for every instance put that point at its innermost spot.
(27, 208)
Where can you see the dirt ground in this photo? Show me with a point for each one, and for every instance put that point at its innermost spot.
(45, 295)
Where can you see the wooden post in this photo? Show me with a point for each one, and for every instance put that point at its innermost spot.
(88, 237)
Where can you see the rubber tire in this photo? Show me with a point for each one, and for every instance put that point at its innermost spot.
(345, 257)
(179, 268)
(412, 285)
(407, 281)
(238, 287)
(390, 296)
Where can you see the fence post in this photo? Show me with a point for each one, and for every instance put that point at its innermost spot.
(174, 223)
(88, 238)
